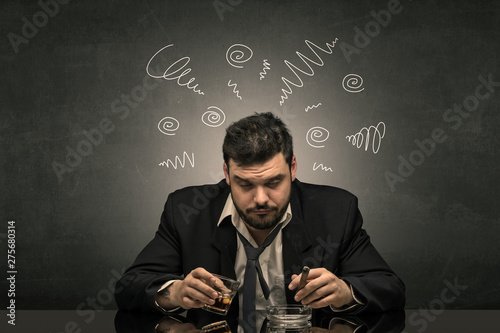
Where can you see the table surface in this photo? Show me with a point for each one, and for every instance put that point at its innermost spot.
(72, 321)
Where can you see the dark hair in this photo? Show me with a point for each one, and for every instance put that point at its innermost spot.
(256, 139)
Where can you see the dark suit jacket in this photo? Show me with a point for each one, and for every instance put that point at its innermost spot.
(325, 231)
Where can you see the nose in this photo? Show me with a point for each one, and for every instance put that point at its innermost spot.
(261, 197)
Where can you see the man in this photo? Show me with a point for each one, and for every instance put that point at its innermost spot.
(212, 229)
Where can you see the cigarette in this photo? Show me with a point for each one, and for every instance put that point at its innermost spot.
(303, 278)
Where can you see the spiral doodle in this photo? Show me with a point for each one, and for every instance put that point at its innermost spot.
(168, 125)
(236, 55)
(317, 135)
(213, 118)
(352, 83)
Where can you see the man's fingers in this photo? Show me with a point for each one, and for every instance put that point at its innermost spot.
(217, 283)
(318, 294)
(312, 290)
(192, 303)
(201, 273)
(197, 290)
(200, 296)
(200, 290)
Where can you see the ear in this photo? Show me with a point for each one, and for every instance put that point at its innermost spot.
(226, 173)
(293, 167)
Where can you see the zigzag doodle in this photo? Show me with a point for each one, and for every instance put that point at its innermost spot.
(306, 60)
(324, 168)
(178, 161)
(237, 92)
(264, 70)
(312, 107)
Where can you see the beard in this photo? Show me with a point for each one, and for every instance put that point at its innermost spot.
(270, 220)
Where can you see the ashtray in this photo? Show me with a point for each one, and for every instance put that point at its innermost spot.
(282, 327)
(292, 313)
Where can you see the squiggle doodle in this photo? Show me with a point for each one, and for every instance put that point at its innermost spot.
(312, 107)
(306, 60)
(237, 92)
(168, 125)
(264, 70)
(213, 118)
(317, 135)
(236, 57)
(172, 73)
(352, 83)
(177, 161)
(324, 168)
(359, 138)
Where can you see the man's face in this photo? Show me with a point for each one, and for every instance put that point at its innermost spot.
(261, 192)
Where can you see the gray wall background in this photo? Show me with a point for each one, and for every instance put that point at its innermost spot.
(71, 68)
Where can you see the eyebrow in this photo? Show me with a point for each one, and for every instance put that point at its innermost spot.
(274, 178)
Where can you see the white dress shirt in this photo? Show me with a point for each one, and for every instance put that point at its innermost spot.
(271, 262)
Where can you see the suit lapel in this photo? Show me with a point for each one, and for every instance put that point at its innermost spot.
(224, 239)
(297, 246)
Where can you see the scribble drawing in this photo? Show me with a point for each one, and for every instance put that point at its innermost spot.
(238, 54)
(317, 135)
(214, 117)
(288, 91)
(168, 125)
(178, 161)
(175, 72)
(353, 83)
(265, 69)
(312, 107)
(234, 85)
(364, 136)
(324, 168)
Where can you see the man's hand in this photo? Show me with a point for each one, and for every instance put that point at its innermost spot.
(323, 288)
(192, 292)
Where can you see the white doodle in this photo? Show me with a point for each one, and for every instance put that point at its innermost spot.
(306, 61)
(312, 107)
(353, 83)
(214, 117)
(324, 168)
(178, 162)
(376, 139)
(317, 135)
(234, 85)
(264, 69)
(238, 54)
(168, 125)
(172, 72)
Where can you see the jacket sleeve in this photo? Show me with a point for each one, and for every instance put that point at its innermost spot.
(159, 262)
(373, 281)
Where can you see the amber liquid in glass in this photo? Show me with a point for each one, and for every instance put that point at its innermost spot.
(221, 304)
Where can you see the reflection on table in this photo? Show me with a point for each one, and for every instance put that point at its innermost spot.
(322, 321)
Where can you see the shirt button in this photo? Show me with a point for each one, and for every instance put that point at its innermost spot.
(261, 294)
